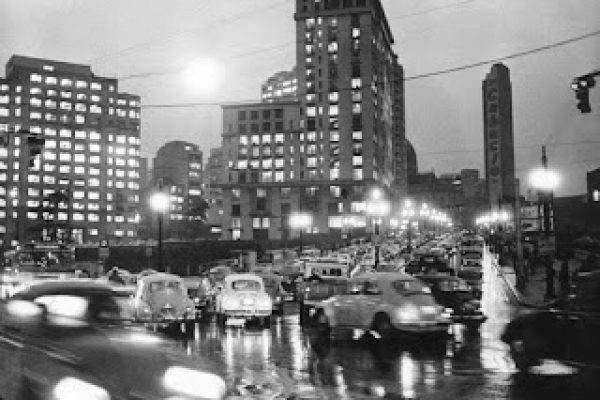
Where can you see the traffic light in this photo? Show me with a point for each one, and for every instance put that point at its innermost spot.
(581, 85)
(36, 145)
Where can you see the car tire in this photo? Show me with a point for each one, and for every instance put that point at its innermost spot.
(321, 323)
(221, 320)
(383, 326)
(266, 322)
(522, 360)
(190, 326)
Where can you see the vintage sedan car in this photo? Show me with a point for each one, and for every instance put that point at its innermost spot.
(200, 290)
(161, 301)
(457, 296)
(385, 303)
(243, 298)
(566, 332)
(66, 340)
(316, 289)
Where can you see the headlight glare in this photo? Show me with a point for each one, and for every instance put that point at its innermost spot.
(408, 312)
(229, 303)
(70, 388)
(194, 383)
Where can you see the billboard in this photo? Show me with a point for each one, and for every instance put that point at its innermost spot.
(493, 141)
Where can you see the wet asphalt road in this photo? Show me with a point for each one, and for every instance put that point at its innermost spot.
(286, 363)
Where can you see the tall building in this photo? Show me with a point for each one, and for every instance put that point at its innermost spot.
(283, 86)
(321, 154)
(214, 171)
(177, 168)
(85, 184)
(498, 136)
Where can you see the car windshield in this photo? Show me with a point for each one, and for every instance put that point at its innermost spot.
(405, 287)
(80, 310)
(164, 285)
(246, 284)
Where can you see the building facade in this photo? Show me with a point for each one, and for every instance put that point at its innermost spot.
(322, 153)
(282, 86)
(84, 186)
(498, 136)
(178, 170)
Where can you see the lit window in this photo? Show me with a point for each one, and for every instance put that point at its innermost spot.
(356, 108)
(94, 159)
(65, 145)
(65, 105)
(94, 195)
(334, 136)
(333, 110)
(357, 161)
(66, 82)
(79, 119)
(79, 170)
(357, 174)
(80, 107)
(65, 157)
(35, 101)
(67, 94)
(94, 147)
(356, 83)
(81, 84)
(96, 86)
(95, 109)
(79, 158)
(51, 80)
(35, 115)
(357, 135)
(35, 78)
(596, 195)
(80, 134)
(93, 217)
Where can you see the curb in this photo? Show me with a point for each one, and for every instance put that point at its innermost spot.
(512, 289)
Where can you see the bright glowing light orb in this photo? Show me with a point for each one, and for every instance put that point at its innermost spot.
(203, 75)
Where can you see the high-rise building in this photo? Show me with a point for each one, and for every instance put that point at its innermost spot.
(322, 153)
(498, 136)
(85, 184)
(177, 168)
(282, 86)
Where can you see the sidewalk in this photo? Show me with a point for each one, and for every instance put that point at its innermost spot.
(534, 292)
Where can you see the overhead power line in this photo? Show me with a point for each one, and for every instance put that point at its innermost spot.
(508, 57)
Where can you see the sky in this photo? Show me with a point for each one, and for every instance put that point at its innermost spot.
(252, 39)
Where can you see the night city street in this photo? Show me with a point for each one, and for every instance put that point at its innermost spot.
(299, 199)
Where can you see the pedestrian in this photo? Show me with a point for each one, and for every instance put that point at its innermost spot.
(550, 275)
(563, 278)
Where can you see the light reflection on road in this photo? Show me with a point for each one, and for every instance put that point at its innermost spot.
(286, 360)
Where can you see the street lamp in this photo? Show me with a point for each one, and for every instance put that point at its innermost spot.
(408, 212)
(301, 221)
(160, 203)
(545, 181)
(377, 207)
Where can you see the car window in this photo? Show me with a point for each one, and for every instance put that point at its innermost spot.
(355, 288)
(246, 284)
(409, 287)
(72, 310)
(371, 288)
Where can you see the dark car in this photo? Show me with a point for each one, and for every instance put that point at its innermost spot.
(66, 339)
(429, 263)
(456, 294)
(316, 289)
(567, 331)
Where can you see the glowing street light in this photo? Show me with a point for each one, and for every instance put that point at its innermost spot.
(160, 203)
(301, 221)
(544, 179)
(377, 206)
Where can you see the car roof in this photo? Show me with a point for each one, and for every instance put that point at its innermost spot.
(385, 276)
(73, 287)
(161, 276)
(438, 277)
(233, 277)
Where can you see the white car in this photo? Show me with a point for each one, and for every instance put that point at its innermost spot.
(161, 300)
(384, 303)
(243, 298)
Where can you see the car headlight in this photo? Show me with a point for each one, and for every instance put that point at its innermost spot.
(408, 312)
(265, 303)
(194, 383)
(229, 303)
(70, 388)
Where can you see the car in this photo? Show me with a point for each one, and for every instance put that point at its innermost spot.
(66, 340)
(243, 298)
(274, 288)
(566, 331)
(199, 289)
(161, 301)
(316, 289)
(385, 303)
(456, 295)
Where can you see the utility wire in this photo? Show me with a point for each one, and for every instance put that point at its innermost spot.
(508, 57)
(411, 78)
(521, 147)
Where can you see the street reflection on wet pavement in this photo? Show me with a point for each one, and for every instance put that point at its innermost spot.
(286, 362)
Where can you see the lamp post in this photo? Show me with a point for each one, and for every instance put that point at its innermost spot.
(377, 207)
(408, 212)
(349, 223)
(159, 202)
(545, 181)
(301, 221)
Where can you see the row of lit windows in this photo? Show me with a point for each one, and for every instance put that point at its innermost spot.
(77, 134)
(66, 82)
(79, 119)
(67, 94)
(92, 182)
(91, 232)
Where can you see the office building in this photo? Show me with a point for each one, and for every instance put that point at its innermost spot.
(178, 170)
(85, 184)
(282, 86)
(498, 137)
(323, 153)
